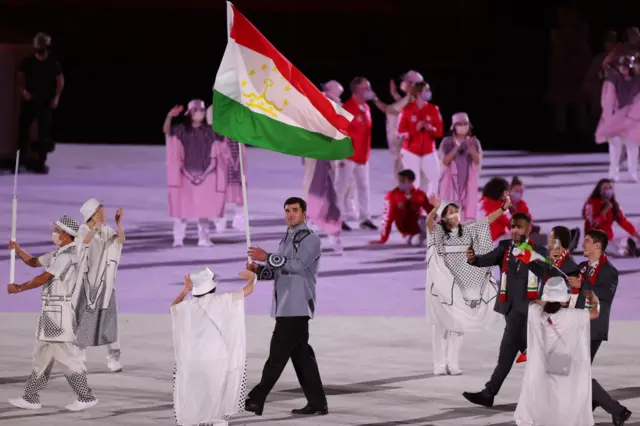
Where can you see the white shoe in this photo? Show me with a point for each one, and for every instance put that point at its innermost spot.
(78, 405)
(454, 371)
(205, 243)
(335, 244)
(440, 370)
(114, 366)
(21, 403)
(221, 225)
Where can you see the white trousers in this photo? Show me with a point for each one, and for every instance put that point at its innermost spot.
(71, 357)
(616, 145)
(357, 174)
(446, 347)
(180, 229)
(428, 164)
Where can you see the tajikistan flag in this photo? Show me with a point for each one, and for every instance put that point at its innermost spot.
(526, 254)
(261, 99)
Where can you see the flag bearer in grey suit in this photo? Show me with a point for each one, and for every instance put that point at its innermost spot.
(294, 267)
(600, 276)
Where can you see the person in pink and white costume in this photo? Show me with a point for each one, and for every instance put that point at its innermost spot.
(197, 176)
(419, 125)
(233, 192)
(461, 156)
(620, 121)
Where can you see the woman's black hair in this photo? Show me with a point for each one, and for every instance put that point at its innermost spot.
(495, 188)
(552, 307)
(596, 193)
(445, 225)
(213, 290)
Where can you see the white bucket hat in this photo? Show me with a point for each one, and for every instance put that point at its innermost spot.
(458, 118)
(68, 225)
(195, 103)
(203, 281)
(412, 77)
(555, 290)
(89, 208)
(443, 206)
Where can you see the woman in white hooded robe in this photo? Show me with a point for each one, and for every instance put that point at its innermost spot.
(459, 296)
(556, 390)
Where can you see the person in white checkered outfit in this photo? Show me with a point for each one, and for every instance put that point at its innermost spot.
(57, 326)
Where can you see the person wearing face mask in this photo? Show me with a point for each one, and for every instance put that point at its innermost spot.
(319, 187)
(461, 155)
(600, 211)
(392, 112)
(56, 331)
(519, 285)
(233, 191)
(493, 196)
(459, 295)
(620, 104)
(405, 206)
(197, 160)
(100, 249)
(41, 81)
(419, 125)
(355, 169)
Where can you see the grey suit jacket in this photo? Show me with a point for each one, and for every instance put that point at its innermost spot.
(605, 288)
(294, 267)
(517, 274)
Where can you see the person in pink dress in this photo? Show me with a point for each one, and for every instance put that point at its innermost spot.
(461, 156)
(620, 121)
(197, 172)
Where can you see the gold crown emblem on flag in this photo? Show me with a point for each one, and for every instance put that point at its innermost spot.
(261, 101)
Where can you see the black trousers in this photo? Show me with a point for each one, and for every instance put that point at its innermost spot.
(41, 111)
(599, 396)
(514, 340)
(290, 339)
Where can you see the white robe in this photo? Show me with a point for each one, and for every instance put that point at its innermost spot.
(460, 297)
(210, 348)
(97, 310)
(551, 399)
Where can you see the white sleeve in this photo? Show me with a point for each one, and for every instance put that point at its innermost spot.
(59, 265)
(45, 259)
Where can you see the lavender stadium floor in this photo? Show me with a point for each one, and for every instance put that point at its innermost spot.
(370, 337)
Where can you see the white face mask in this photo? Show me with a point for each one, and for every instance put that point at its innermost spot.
(462, 129)
(55, 237)
(197, 116)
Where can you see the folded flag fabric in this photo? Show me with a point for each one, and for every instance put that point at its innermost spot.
(261, 99)
(526, 254)
(522, 357)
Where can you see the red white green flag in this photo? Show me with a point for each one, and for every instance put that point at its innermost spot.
(261, 99)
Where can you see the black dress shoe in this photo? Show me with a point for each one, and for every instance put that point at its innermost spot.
(479, 398)
(254, 407)
(621, 418)
(346, 227)
(367, 224)
(310, 411)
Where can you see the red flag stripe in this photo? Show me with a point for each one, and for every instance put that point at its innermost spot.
(245, 34)
(525, 257)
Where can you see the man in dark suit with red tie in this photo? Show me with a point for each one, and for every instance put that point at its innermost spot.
(520, 286)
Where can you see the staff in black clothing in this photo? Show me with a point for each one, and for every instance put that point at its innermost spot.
(41, 80)
(600, 276)
(515, 307)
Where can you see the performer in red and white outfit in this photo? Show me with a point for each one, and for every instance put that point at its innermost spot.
(600, 211)
(356, 168)
(405, 206)
(493, 195)
(419, 126)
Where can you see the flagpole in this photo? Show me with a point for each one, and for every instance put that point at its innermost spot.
(14, 221)
(243, 179)
(241, 147)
